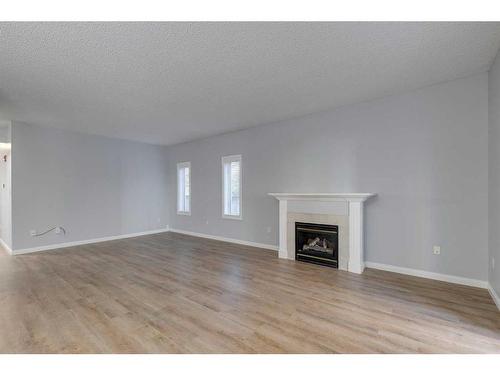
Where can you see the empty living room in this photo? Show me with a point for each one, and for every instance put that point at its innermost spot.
(264, 186)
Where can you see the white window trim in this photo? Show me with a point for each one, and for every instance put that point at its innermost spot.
(180, 166)
(229, 159)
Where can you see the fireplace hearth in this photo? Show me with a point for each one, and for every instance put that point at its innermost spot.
(317, 243)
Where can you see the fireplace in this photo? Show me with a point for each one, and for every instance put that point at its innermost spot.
(317, 243)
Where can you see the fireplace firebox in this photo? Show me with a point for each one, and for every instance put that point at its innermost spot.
(317, 243)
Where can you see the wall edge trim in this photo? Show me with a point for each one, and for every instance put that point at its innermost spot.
(494, 296)
(5, 246)
(225, 239)
(86, 242)
(429, 275)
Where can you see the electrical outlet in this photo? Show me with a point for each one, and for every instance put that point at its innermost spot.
(33, 232)
(58, 230)
(268, 229)
(206, 222)
(436, 250)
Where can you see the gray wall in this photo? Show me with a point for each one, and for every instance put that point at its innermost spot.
(424, 153)
(5, 185)
(4, 131)
(494, 174)
(93, 186)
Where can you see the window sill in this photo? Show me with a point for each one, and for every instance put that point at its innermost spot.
(232, 217)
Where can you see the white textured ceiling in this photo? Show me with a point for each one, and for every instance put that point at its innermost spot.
(173, 82)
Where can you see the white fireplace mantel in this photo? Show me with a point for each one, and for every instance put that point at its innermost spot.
(354, 202)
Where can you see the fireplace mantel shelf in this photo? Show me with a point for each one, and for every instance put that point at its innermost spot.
(323, 196)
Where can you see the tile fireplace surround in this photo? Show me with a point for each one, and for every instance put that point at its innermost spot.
(336, 208)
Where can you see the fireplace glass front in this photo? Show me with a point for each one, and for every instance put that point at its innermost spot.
(317, 243)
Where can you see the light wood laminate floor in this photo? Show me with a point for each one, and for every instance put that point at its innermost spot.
(170, 293)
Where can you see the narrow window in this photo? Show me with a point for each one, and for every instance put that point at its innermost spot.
(184, 188)
(231, 187)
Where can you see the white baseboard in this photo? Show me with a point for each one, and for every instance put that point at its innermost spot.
(85, 242)
(226, 239)
(5, 246)
(494, 295)
(429, 275)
